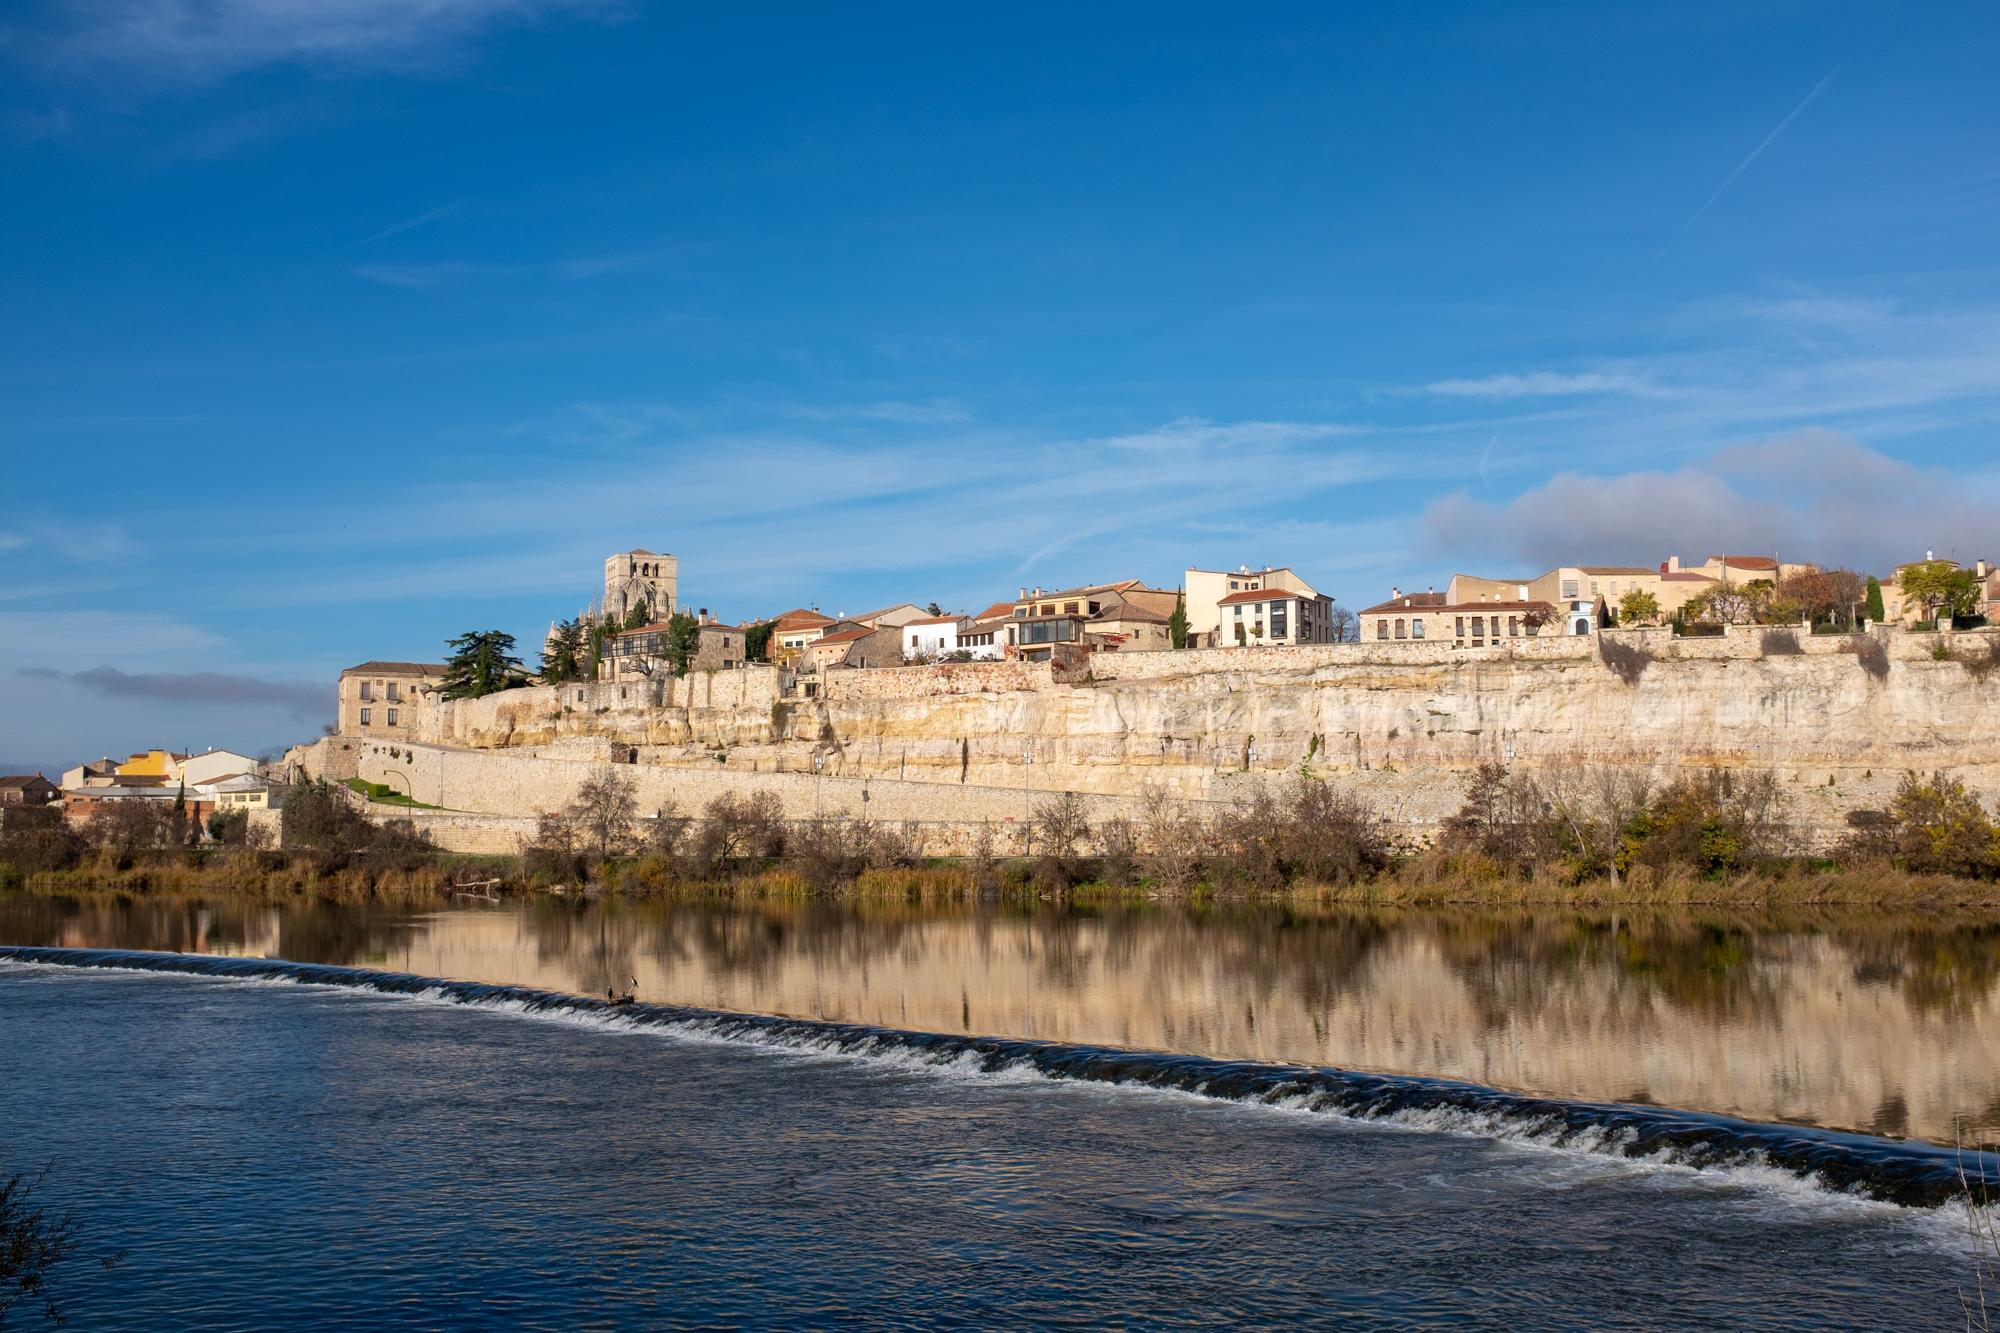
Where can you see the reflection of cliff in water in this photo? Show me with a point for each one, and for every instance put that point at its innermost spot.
(1862, 1021)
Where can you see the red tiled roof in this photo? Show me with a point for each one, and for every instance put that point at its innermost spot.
(1683, 576)
(800, 618)
(1409, 601)
(997, 611)
(1458, 608)
(1264, 595)
(842, 636)
(1743, 561)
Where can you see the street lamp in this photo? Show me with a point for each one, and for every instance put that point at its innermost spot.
(819, 762)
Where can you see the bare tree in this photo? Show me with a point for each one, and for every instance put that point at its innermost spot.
(1343, 625)
(602, 811)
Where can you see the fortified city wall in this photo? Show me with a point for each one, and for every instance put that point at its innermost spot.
(1840, 718)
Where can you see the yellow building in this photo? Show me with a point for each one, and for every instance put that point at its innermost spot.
(161, 764)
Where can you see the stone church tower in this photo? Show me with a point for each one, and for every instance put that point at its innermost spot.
(637, 576)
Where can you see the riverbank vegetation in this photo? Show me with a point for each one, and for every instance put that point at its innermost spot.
(1608, 835)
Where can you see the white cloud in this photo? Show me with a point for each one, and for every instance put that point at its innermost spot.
(1545, 384)
(1813, 495)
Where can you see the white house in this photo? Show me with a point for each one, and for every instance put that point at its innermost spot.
(240, 791)
(931, 636)
(199, 768)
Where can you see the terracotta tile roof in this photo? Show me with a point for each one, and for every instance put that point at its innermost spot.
(997, 611)
(800, 618)
(1409, 601)
(396, 669)
(885, 610)
(842, 636)
(1743, 561)
(1134, 612)
(1684, 576)
(1441, 607)
(1265, 595)
(21, 780)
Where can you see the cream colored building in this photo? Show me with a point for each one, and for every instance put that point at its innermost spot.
(377, 699)
(1206, 589)
(240, 791)
(1275, 614)
(1435, 617)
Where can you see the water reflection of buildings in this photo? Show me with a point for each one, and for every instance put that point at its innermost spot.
(1787, 1026)
(1870, 1025)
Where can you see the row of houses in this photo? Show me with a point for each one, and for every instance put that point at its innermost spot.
(1473, 610)
(202, 784)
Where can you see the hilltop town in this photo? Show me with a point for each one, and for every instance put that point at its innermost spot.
(946, 718)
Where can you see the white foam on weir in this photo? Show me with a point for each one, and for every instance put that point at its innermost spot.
(1596, 1150)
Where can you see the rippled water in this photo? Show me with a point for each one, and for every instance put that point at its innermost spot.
(1876, 1023)
(285, 1147)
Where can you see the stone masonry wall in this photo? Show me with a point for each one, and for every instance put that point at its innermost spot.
(1403, 724)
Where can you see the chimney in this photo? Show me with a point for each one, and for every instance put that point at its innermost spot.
(1023, 597)
(1395, 593)
(1521, 592)
(1673, 565)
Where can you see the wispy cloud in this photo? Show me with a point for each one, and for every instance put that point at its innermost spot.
(300, 699)
(936, 412)
(1546, 384)
(410, 224)
(1755, 153)
(203, 41)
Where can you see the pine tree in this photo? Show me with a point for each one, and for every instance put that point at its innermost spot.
(481, 663)
(1875, 613)
(639, 615)
(681, 641)
(1177, 623)
(562, 655)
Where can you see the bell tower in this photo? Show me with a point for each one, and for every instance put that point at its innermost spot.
(632, 577)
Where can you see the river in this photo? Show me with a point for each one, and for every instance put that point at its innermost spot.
(1389, 1116)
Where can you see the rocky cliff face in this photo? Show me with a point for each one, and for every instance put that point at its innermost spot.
(1840, 720)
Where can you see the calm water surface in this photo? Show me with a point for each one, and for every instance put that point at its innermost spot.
(1874, 1023)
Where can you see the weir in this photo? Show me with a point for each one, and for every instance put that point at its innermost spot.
(1911, 1173)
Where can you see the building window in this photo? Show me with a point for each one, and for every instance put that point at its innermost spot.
(1569, 588)
(1381, 629)
(1277, 620)
(364, 716)
(1461, 628)
(1399, 629)
(1232, 585)
(395, 692)
(1417, 628)
(367, 692)
(1513, 627)
(392, 717)
(1069, 608)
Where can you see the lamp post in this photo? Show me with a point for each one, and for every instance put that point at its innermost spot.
(819, 762)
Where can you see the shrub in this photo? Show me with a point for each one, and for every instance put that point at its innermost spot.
(32, 840)
(1939, 827)
(1778, 643)
(737, 829)
(1118, 853)
(1059, 827)
(1172, 836)
(551, 856)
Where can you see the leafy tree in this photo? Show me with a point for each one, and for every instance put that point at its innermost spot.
(681, 641)
(1941, 588)
(562, 655)
(757, 641)
(1639, 607)
(481, 663)
(1876, 615)
(933, 610)
(1177, 623)
(639, 615)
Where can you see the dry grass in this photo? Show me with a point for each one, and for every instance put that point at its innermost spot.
(271, 877)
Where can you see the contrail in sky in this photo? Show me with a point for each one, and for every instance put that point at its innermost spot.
(1744, 165)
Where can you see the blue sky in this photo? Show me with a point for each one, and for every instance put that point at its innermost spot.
(332, 329)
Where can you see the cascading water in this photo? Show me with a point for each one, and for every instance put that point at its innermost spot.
(1910, 1173)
